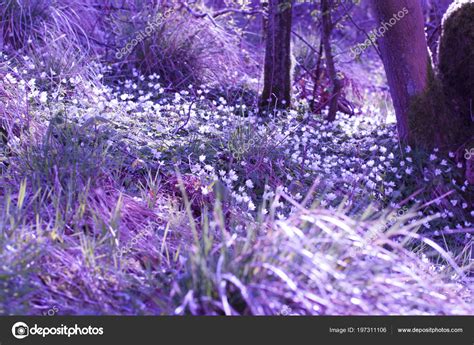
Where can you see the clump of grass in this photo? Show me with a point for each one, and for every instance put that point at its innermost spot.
(72, 208)
(51, 41)
(19, 19)
(320, 263)
(57, 62)
(25, 22)
(22, 245)
(181, 49)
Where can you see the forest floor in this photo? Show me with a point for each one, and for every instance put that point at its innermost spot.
(129, 198)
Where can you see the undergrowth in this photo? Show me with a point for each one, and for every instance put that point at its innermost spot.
(196, 206)
(164, 192)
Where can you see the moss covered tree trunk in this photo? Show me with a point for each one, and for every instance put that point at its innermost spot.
(404, 54)
(456, 62)
(431, 111)
(277, 70)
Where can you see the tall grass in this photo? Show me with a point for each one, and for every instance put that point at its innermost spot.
(181, 49)
(320, 263)
(24, 22)
(88, 247)
(63, 35)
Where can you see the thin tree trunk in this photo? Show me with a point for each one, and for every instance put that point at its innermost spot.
(317, 76)
(326, 39)
(277, 70)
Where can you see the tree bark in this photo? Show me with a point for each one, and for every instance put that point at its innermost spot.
(277, 71)
(404, 53)
(326, 38)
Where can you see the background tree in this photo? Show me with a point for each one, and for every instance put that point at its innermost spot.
(277, 70)
(326, 30)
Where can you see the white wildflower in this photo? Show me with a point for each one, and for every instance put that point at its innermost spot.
(251, 206)
(233, 175)
(43, 98)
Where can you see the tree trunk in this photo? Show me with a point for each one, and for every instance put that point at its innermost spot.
(404, 54)
(277, 70)
(456, 61)
(326, 38)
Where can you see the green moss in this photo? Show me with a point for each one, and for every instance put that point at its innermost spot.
(456, 58)
(429, 117)
(440, 116)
